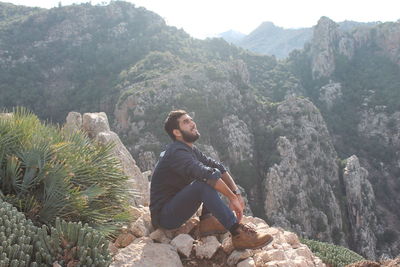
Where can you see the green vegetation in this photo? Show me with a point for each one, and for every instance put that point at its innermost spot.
(336, 256)
(48, 173)
(24, 244)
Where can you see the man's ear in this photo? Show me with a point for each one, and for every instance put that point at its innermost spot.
(176, 132)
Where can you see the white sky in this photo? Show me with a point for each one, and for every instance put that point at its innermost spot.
(204, 18)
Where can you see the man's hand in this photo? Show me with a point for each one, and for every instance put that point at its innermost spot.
(241, 201)
(237, 207)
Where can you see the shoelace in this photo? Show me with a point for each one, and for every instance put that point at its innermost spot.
(248, 229)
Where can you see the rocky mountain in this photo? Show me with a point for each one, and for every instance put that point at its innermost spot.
(269, 39)
(232, 36)
(313, 139)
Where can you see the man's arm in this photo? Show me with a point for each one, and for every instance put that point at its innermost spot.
(234, 202)
(227, 178)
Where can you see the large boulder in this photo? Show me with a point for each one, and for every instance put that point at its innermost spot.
(97, 127)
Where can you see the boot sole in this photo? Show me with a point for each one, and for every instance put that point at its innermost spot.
(260, 246)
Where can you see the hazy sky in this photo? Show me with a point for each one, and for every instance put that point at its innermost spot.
(203, 18)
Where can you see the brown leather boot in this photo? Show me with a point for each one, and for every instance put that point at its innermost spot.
(248, 238)
(210, 225)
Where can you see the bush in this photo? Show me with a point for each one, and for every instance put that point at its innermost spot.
(336, 256)
(46, 173)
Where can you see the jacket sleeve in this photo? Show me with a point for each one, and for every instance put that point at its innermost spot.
(183, 162)
(210, 162)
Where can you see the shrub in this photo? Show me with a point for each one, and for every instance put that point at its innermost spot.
(336, 256)
(46, 173)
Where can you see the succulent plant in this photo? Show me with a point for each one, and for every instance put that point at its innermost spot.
(24, 244)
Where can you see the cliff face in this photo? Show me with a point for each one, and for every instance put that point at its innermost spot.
(300, 189)
(361, 207)
(354, 82)
(329, 41)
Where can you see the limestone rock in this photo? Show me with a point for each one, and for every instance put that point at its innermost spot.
(160, 236)
(142, 226)
(325, 35)
(112, 248)
(361, 207)
(238, 139)
(124, 240)
(95, 123)
(376, 123)
(73, 122)
(306, 157)
(249, 262)
(183, 244)
(227, 245)
(329, 93)
(238, 255)
(185, 228)
(97, 127)
(291, 239)
(145, 254)
(207, 247)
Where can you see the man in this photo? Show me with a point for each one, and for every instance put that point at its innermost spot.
(184, 178)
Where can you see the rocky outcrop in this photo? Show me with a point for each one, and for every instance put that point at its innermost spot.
(330, 93)
(360, 199)
(377, 123)
(329, 41)
(325, 37)
(183, 247)
(300, 189)
(97, 127)
(237, 138)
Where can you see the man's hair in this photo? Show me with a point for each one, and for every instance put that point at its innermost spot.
(172, 123)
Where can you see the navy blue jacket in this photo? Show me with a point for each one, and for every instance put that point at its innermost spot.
(178, 166)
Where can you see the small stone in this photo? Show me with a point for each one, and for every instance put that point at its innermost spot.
(160, 236)
(124, 240)
(135, 212)
(292, 239)
(238, 255)
(112, 248)
(184, 244)
(275, 255)
(299, 263)
(145, 253)
(272, 231)
(142, 226)
(305, 252)
(143, 240)
(227, 245)
(207, 247)
(249, 262)
(188, 226)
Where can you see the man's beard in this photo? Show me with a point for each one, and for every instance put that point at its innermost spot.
(189, 137)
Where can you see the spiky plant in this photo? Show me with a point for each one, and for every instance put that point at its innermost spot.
(46, 173)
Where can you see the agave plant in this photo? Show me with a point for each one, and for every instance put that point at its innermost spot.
(47, 173)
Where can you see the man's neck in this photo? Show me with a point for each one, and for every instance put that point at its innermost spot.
(183, 141)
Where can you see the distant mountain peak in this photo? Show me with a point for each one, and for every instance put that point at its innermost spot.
(232, 36)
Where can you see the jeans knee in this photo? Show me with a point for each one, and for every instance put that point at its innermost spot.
(204, 187)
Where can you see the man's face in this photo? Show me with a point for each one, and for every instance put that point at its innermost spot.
(188, 129)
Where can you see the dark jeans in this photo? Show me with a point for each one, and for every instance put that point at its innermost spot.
(187, 201)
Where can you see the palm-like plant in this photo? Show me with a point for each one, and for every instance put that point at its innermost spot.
(47, 173)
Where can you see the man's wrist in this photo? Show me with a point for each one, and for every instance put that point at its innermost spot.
(236, 191)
